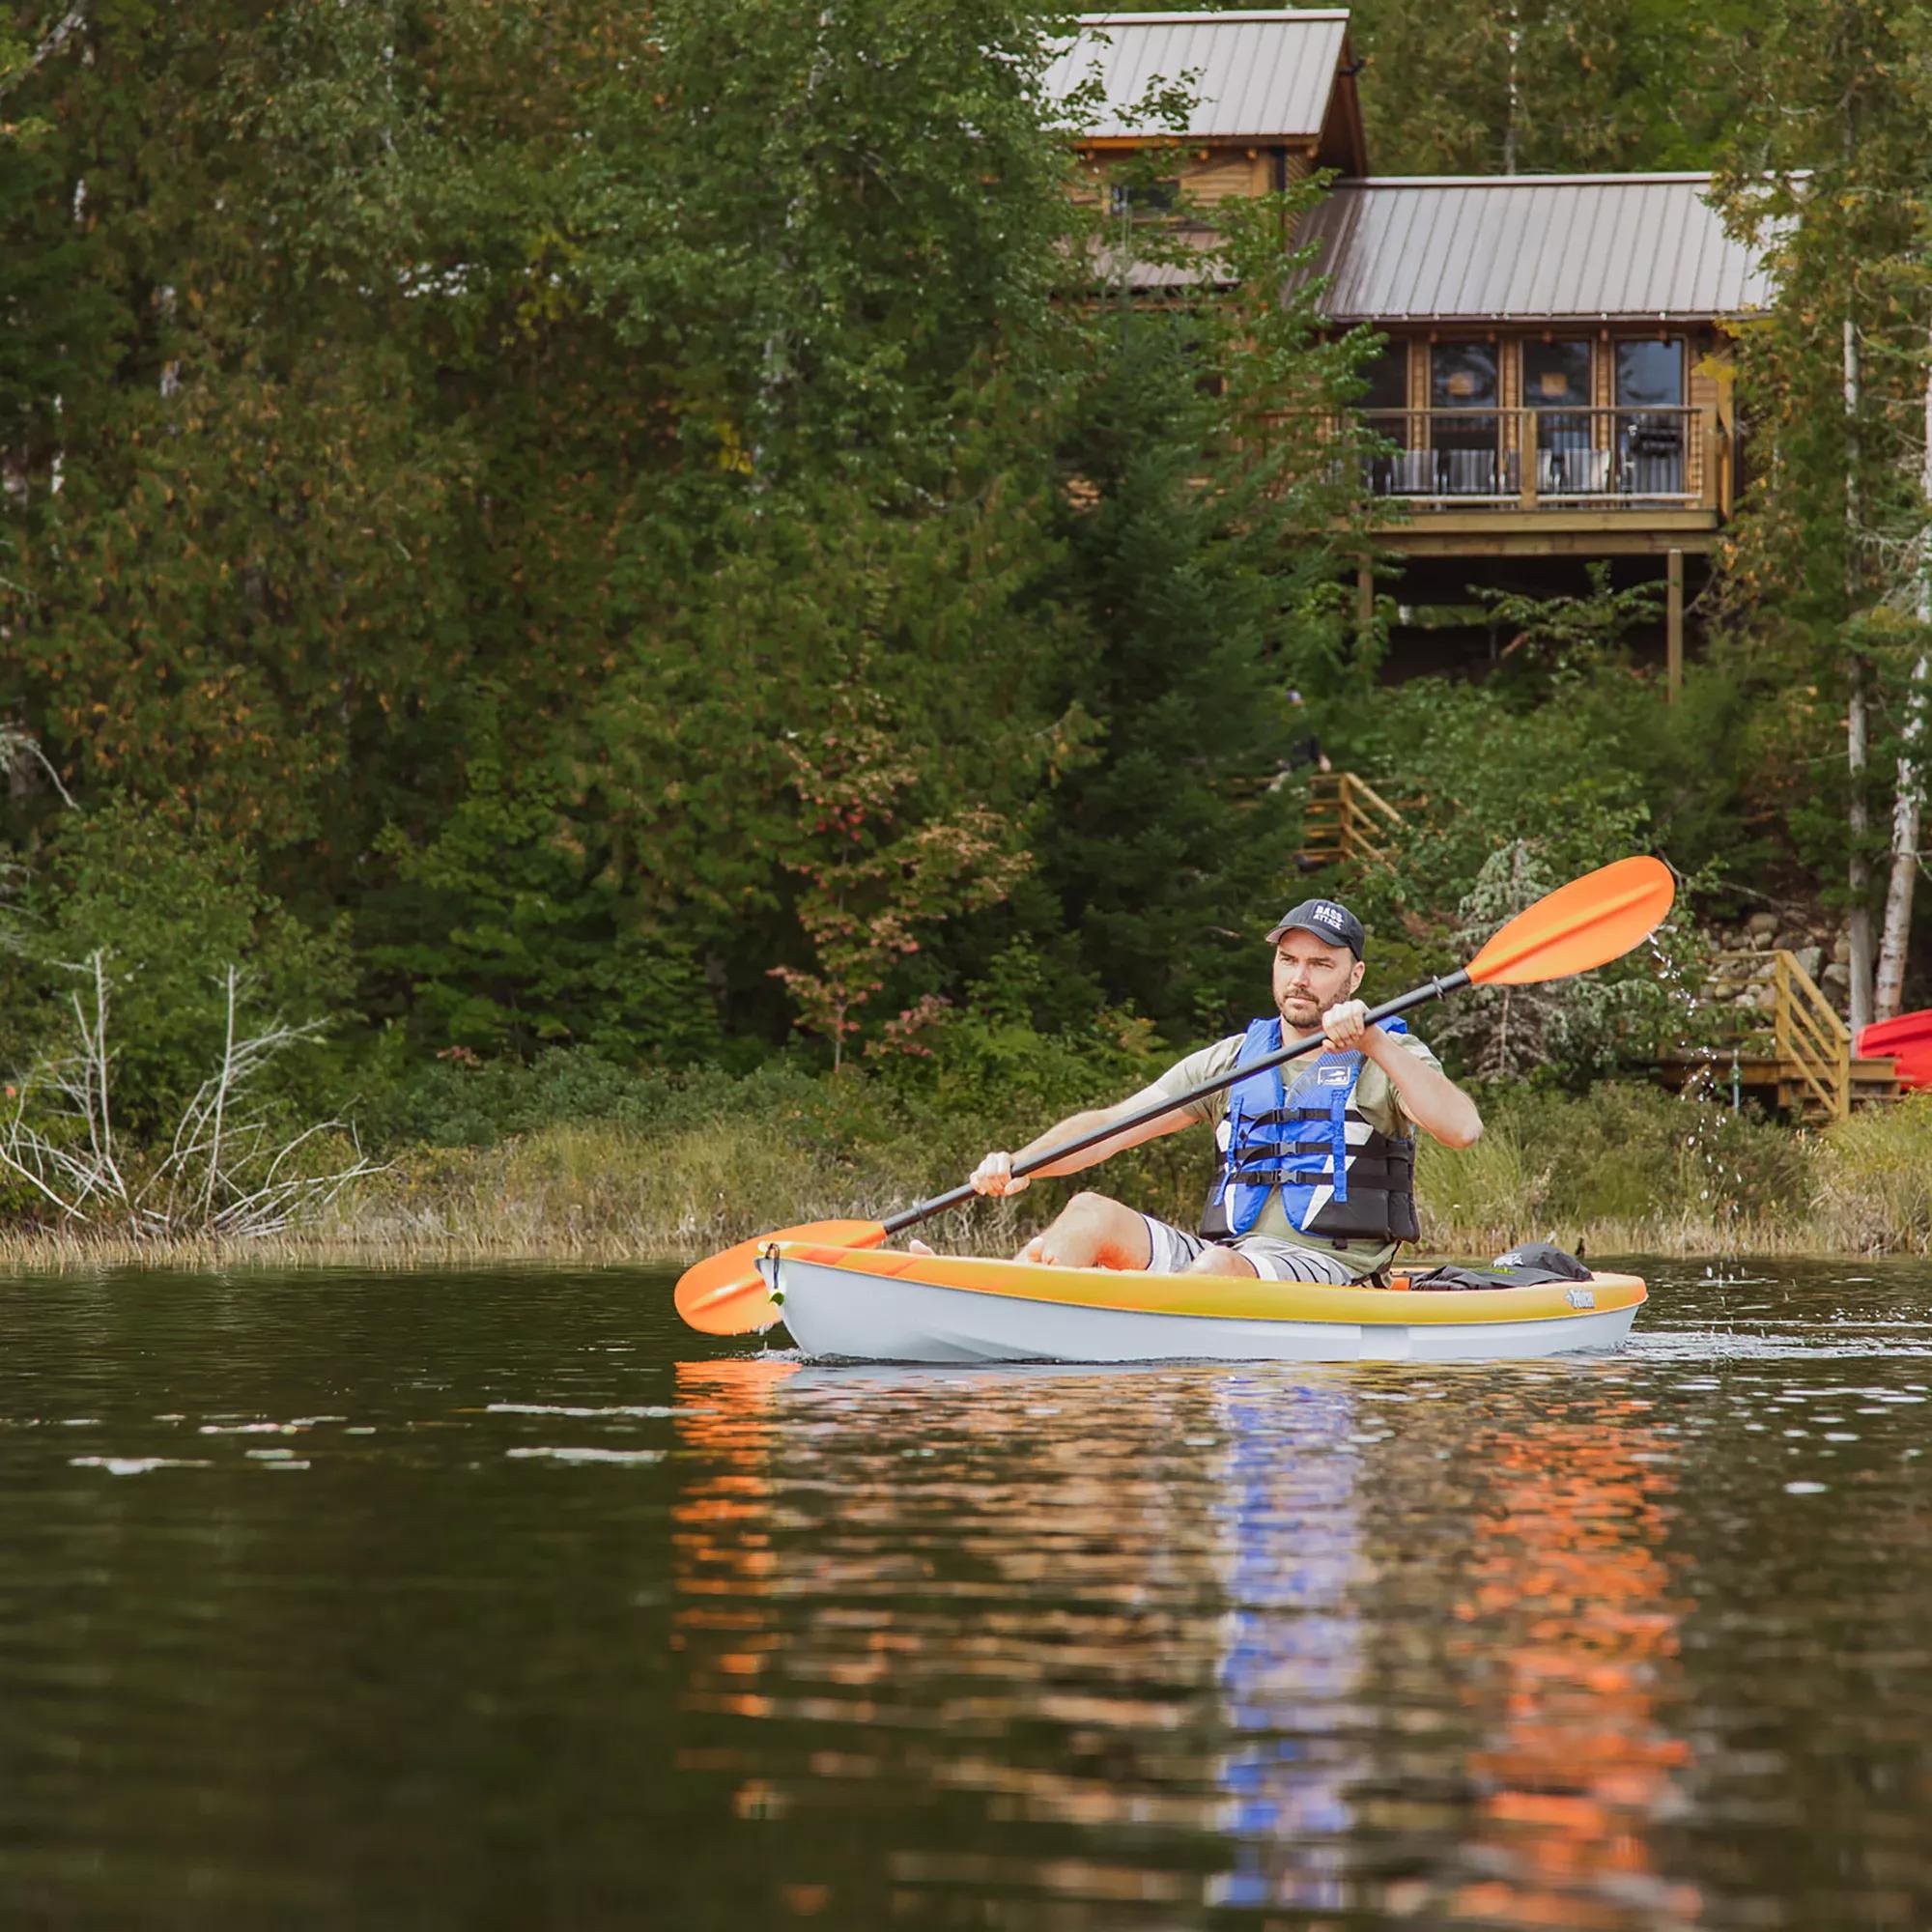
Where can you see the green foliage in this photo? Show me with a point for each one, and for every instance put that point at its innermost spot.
(662, 527)
(1474, 774)
(172, 909)
(1203, 597)
(1549, 86)
(1554, 1164)
(1555, 642)
(503, 933)
(1826, 170)
(870, 890)
(775, 198)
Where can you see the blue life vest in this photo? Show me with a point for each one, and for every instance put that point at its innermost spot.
(1340, 1177)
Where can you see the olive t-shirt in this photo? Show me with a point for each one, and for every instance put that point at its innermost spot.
(1375, 1099)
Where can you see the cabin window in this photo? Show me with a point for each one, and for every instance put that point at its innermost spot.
(1467, 434)
(1462, 376)
(1386, 374)
(1154, 197)
(1385, 400)
(1556, 375)
(1650, 375)
(1556, 386)
(1650, 423)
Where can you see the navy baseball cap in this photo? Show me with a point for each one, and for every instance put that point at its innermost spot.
(1327, 920)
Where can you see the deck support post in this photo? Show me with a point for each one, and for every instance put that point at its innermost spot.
(1674, 620)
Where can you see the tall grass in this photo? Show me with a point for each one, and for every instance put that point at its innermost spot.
(1623, 1169)
(1872, 1189)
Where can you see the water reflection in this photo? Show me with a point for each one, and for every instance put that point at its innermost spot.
(1568, 1604)
(1293, 1655)
(1186, 1639)
(552, 1631)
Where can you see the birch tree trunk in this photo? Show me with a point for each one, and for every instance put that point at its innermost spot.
(1910, 801)
(1511, 139)
(1858, 721)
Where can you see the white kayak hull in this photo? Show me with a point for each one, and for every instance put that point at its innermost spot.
(849, 1308)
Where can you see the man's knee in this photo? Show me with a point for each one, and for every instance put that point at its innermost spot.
(1094, 1229)
(1087, 1206)
(1212, 1260)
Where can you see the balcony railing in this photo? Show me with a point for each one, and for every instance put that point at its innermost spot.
(1549, 458)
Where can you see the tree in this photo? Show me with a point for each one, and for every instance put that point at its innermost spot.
(872, 888)
(1545, 86)
(1826, 170)
(1205, 485)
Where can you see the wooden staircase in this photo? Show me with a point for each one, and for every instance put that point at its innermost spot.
(1347, 821)
(1801, 1063)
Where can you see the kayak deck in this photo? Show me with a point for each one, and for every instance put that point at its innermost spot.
(882, 1305)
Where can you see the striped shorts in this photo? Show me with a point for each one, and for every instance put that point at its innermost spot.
(1270, 1257)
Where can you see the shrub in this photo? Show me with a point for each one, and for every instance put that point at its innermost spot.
(1555, 1164)
(1872, 1191)
(172, 909)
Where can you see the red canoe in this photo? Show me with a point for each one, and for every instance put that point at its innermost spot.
(1906, 1041)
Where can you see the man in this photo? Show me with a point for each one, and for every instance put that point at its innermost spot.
(1315, 1180)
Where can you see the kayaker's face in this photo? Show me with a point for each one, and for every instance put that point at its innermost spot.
(1311, 976)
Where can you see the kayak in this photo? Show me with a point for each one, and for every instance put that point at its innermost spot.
(1907, 1043)
(882, 1305)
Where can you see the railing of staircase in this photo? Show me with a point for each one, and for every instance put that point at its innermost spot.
(1346, 819)
(1809, 1034)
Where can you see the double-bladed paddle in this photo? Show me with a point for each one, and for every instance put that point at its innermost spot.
(1588, 923)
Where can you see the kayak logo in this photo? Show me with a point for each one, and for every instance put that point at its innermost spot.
(1581, 1298)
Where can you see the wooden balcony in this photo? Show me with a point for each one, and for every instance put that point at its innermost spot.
(1549, 481)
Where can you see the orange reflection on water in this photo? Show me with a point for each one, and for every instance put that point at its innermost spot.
(721, 1543)
(1570, 1595)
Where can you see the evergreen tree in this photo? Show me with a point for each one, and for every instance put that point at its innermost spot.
(1206, 479)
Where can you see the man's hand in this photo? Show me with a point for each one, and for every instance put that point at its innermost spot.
(995, 1176)
(1345, 1025)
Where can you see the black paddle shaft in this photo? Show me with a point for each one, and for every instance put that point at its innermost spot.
(925, 1211)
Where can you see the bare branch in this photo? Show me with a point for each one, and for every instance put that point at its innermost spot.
(225, 1171)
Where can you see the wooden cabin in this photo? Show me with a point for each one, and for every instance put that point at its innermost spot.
(1557, 381)
(1273, 99)
(1557, 372)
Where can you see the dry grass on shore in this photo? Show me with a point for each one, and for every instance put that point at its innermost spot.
(599, 1193)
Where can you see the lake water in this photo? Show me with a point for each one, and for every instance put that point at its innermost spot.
(499, 1599)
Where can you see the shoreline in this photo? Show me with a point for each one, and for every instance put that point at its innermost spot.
(57, 1253)
(1622, 1172)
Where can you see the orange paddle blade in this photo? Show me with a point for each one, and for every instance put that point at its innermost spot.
(1588, 923)
(725, 1293)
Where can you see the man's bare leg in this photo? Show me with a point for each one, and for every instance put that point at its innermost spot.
(1221, 1261)
(1092, 1231)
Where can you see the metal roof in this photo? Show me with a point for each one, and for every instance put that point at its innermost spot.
(1529, 248)
(1256, 76)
